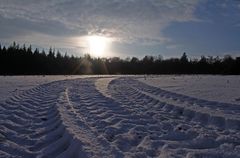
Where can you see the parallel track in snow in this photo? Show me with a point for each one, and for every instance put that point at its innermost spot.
(190, 125)
(30, 122)
(74, 118)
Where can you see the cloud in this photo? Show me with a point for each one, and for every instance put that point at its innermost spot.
(124, 20)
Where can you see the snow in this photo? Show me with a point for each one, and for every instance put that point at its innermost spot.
(10, 85)
(119, 116)
(209, 87)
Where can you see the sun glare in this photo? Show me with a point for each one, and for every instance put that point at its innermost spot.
(97, 45)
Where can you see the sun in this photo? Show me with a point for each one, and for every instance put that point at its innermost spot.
(97, 45)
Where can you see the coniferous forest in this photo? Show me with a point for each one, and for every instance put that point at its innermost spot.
(22, 60)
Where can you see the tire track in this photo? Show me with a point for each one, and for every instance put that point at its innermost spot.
(31, 125)
(126, 118)
(116, 125)
(187, 129)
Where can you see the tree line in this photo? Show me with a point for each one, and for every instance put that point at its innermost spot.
(22, 60)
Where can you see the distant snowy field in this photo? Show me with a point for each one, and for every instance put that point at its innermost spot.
(209, 87)
(10, 85)
(120, 116)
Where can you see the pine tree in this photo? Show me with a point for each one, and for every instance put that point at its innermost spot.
(184, 58)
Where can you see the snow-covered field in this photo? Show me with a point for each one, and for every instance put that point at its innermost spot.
(209, 87)
(10, 85)
(120, 116)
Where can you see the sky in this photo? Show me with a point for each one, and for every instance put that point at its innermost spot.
(130, 27)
